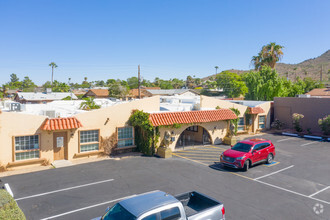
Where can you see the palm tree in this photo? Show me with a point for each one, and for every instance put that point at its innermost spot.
(89, 104)
(269, 55)
(53, 65)
(216, 69)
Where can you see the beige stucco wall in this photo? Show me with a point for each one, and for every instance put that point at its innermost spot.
(212, 103)
(216, 134)
(18, 124)
(312, 108)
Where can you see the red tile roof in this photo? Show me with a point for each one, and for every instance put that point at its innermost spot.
(255, 110)
(325, 92)
(98, 92)
(55, 124)
(170, 118)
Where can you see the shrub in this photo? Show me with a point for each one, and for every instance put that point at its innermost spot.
(277, 124)
(235, 121)
(324, 124)
(9, 208)
(109, 143)
(296, 121)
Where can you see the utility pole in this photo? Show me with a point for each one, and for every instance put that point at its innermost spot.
(139, 81)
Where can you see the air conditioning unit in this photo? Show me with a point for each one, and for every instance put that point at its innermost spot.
(50, 113)
(15, 107)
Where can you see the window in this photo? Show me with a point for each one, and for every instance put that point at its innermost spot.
(27, 147)
(125, 137)
(170, 214)
(262, 122)
(240, 124)
(89, 140)
(151, 217)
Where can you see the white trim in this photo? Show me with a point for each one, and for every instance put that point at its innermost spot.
(88, 207)
(7, 187)
(320, 191)
(268, 184)
(66, 189)
(274, 172)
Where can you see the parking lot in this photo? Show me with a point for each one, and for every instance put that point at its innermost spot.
(296, 186)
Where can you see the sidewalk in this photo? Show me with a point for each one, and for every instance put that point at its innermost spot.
(36, 168)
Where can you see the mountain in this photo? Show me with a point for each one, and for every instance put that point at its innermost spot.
(308, 68)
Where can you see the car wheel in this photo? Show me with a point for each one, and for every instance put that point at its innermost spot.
(246, 166)
(269, 158)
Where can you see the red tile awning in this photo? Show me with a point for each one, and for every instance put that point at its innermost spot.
(55, 124)
(255, 110)
(170, 118)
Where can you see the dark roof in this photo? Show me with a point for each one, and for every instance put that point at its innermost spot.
(143, 203)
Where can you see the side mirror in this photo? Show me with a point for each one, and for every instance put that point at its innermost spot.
(231, 146)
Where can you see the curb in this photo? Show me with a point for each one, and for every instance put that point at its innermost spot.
(306, 136)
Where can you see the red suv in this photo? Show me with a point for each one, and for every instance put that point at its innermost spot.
(246, 153)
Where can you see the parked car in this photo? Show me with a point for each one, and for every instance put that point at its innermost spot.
(159, 205)
(247, 153)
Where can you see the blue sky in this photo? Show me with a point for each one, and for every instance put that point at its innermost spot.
(168, 38)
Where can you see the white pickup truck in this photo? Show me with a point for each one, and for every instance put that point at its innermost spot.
(159, 205)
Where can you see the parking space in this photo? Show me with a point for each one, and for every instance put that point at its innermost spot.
(298, 179)
(301, 166)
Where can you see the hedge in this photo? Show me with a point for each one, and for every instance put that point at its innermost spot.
(9, 208)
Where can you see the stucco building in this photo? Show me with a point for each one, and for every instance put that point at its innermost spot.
(27, 138)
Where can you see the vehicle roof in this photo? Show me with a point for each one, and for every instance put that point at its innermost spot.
(255, 141)
(148, 201)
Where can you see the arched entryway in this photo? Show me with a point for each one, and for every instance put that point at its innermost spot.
(193, 136)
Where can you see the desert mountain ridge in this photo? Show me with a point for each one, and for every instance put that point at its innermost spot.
(308, 68)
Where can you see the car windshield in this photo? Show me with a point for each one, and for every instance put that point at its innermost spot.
(242, 147)
(118, 212)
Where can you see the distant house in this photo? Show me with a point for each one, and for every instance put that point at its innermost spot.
(41, 97)
(171, 92)
(134, 93)
(322, 93)
(97, 93)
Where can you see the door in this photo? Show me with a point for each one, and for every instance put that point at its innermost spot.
(264, 151)
(60, 145)
(256, 153)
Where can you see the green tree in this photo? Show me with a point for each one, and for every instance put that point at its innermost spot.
(14, 78)
(269, 55)
(264, 84)
(53, 65)
(190, 82)
(311, 84)
(216, 69)
(232, 84)
(133, 82)
(116, 90)
(89, 104)
(28, 85)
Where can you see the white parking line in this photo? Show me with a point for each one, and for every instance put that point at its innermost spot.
(285, 139)
(88, 207)
(319, 191)
(66, 189)
(319, 200)
(313, 142)
(274, 172)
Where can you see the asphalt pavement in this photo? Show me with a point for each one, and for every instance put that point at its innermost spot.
(297, 186)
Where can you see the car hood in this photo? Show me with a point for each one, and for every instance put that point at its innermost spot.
(233, 153)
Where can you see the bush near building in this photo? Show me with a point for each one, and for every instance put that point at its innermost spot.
(324, 124)
(9, 208)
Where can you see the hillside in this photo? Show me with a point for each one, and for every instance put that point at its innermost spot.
(308, 68)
